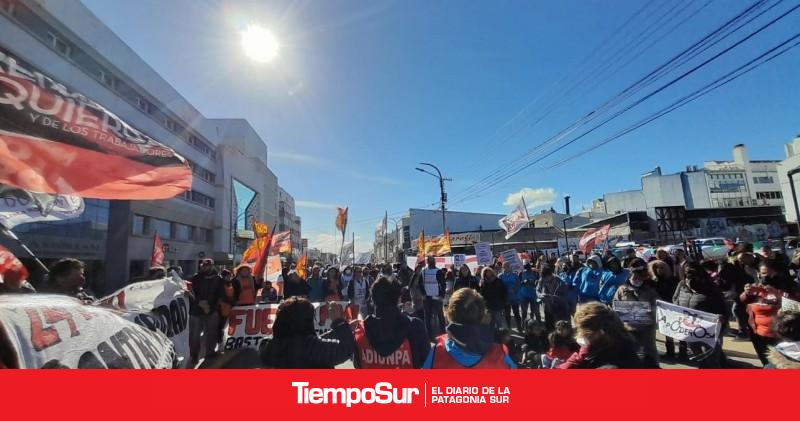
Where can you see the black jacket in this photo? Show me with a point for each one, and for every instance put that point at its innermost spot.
(665, 287)
(710, 301)
(205, 287)
(312, 351)
(293, 286)
(494, 294)
(387, 333)
(404, 275)
(468, 282)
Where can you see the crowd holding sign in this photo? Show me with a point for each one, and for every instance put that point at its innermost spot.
(634, 313)
(684, 324)
(512, 257)
(484, 253)
(160, 305)
(50, 331)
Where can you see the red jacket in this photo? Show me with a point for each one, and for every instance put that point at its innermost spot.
(763, 304)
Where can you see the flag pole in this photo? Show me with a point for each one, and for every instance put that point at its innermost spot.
(10, 234)
(385, 239)
(354, 248)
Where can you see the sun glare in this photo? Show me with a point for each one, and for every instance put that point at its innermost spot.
(259, 44)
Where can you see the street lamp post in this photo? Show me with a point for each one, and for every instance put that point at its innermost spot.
(441, 189)
(566, 237)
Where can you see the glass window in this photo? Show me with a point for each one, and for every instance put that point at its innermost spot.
(138, 225)
(183, 232)
(164, 228)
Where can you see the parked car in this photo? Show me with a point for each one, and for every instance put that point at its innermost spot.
(712, 248)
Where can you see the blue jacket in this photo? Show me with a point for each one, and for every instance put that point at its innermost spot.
(528, 291)
(512, 284)
(609, 282)
(588, 281)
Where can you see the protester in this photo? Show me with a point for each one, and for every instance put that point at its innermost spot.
(464, 279)
(529, 281)
(295, 344)
(204, 319)
(536, 343)
(415, 294)
(228, 296)
(358, 292)
(566, 272)
(614, 276)
(763, 300)
(313, 287)
(786, 353)
(494, 293)
(639, 288)
(587, 280)
(605, 343)
(247, 285)
(512, 284)
(404, 273)
(469, 341)
(432, 288)
(660, 272)
(680, 264)
(388, 338)
(561, 345)
(66, 277)
(332, 290)
(554, 295)
(630, 254)
(698, 292)
(732, 279)
(449, 283)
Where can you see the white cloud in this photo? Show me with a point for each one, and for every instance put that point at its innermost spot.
(314, 205)
(295, 157)
(534, 198)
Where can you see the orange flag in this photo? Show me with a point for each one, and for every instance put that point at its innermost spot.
(438, 246)
(421, 247)
(302, 267)
(258, 245)
(281, 242)
(261, 262)
(341, 219)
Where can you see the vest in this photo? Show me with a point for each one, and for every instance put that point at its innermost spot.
(368, 357)
(247, 295)
(492, 359)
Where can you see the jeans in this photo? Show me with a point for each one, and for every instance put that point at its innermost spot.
(434, 308)
(534, 306)
(646, 346)
(513, 307)
(203, 335)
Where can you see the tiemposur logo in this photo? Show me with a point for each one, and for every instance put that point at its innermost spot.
(382, 394)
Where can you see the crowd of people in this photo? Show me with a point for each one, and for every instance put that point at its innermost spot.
(558, 312)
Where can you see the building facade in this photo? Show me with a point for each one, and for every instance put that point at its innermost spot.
(788, 179)
(288, 220)
(228, 158)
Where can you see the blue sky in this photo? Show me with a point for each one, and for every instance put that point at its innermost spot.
(364, 90)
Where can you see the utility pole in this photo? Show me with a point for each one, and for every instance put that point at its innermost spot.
(441, 189)
(566, 237)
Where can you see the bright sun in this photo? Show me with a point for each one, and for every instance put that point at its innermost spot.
(259, 43)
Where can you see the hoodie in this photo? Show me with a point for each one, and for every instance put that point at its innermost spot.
(388, 331)
(609, 282)
(468, 343)
(588, 280)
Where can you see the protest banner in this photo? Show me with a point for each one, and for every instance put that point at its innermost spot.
(484, 253)
(515, 221)
(160, 305)
(634, 313)
(685, 324)
(459, 260)
(512, 257)
(54, 331)
(57, 141)
(592, 238)
(21, 207)
(788, 304)
(247, 326)
(444, 261)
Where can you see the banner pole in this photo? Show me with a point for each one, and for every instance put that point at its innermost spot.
(10, 234)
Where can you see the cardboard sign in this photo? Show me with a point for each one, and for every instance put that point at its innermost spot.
(459, 260)
(247, 326)
(55, 331)
(160, 305)
(634, 313)
(512, 257)
(483, 251)
(685, 324)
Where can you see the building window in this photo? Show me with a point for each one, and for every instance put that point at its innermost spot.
(183, 232)
(164, 228)
(138, 227)
(767, 195)
(763, 180)
(199, 198)
(169, 124)
(144, 105)
(206, 235)
(58, 44)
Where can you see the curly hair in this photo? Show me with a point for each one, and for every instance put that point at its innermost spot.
(295, 318)
(466, 307)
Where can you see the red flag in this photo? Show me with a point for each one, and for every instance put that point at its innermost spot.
(157, 259)
(57, 141)
(341, 219)
(302, 269)
(282, 242)
(261, 263)
(12, 271)
(593, 237)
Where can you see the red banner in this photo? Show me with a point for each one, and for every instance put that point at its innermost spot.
(157, 258)
(593, 237)
(12, 271)
(54, 140)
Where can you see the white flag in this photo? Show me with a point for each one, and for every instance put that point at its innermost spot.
(347, 255)
(363, 258)
(515, 221)
(21, 207)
